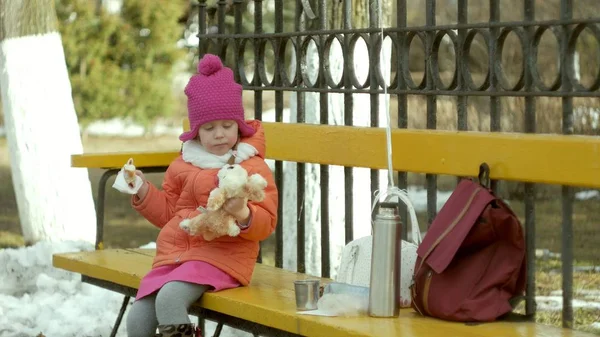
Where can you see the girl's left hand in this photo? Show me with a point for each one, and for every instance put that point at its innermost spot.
(238, 208)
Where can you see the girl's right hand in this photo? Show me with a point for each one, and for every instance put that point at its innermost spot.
(141, 194)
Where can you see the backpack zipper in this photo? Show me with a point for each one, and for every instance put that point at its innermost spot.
(426, 292)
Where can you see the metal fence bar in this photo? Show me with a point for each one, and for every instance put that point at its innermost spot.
(221, 25)
(417, 29)
(426, 92)
(530, 121)
(279, 68)
(374, 38)
(462, 122)
(495, 59)
(203, 42)
(566, 67)
(324, 169)
(402, 21)
(237, 12)
(301, 168)
(348, 120)
(461, 101)
(258, 64)
(431, 106)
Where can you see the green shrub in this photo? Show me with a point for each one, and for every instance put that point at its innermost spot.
(121, 64)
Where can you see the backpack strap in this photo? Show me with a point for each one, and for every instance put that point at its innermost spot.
(484, 175)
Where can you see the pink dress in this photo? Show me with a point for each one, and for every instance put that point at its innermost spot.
(198, 272)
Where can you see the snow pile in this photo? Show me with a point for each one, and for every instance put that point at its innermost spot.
(37, 298)
(587, 195)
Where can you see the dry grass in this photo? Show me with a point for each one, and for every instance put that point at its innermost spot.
(549, 280)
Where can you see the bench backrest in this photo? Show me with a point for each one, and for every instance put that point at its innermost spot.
(536, 158)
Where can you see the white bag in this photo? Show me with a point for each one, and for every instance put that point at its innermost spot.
(355, 263)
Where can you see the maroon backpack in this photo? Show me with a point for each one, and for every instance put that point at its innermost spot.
(472, 259)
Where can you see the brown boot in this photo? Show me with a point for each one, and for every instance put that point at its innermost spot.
(178, 330)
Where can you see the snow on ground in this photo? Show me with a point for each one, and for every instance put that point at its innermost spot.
(37, 298)
(586, 195)
(554, 303)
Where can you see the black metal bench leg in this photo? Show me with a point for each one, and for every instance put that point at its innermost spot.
(218, 329)
(201, 325)
(100, 206)
(113, 333)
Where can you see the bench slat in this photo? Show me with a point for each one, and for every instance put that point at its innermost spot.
(511, 156)
(269, 300)
(553, 159)
(116, 160)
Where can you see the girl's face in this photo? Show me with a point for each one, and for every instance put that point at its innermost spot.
(219, 136)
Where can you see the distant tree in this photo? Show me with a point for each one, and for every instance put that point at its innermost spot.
(54, 200)
(121, 64)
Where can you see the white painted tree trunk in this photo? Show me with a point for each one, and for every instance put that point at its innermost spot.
(54, 200)
(362, 196)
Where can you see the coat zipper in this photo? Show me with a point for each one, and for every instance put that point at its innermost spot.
(187, 247)
(187, 243)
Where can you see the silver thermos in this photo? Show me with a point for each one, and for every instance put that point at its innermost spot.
(384, 291)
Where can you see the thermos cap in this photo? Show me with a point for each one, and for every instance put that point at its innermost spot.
(388, 210)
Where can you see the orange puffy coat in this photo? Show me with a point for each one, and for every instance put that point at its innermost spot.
(184, 188)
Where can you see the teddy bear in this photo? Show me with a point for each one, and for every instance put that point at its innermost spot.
(214, 221)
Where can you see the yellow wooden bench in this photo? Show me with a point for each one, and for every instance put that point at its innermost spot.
(269, 301)
(267, 305)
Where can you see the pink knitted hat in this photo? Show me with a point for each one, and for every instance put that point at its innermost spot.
(213, 94)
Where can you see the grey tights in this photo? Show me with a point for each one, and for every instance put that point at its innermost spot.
(167, 306)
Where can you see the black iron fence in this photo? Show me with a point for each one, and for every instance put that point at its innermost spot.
(295, 26)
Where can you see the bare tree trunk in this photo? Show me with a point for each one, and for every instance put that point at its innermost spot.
(362, 185)
(54, 200)
(26, 17)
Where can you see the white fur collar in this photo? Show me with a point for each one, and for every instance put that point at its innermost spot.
(196, 154)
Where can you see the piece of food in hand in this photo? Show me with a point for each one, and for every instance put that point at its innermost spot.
(129, 171)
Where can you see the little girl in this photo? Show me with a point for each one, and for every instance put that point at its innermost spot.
(186, 266)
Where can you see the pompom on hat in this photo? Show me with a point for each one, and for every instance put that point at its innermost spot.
(213, 95)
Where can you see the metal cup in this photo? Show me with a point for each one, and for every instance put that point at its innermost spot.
(307, 294)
